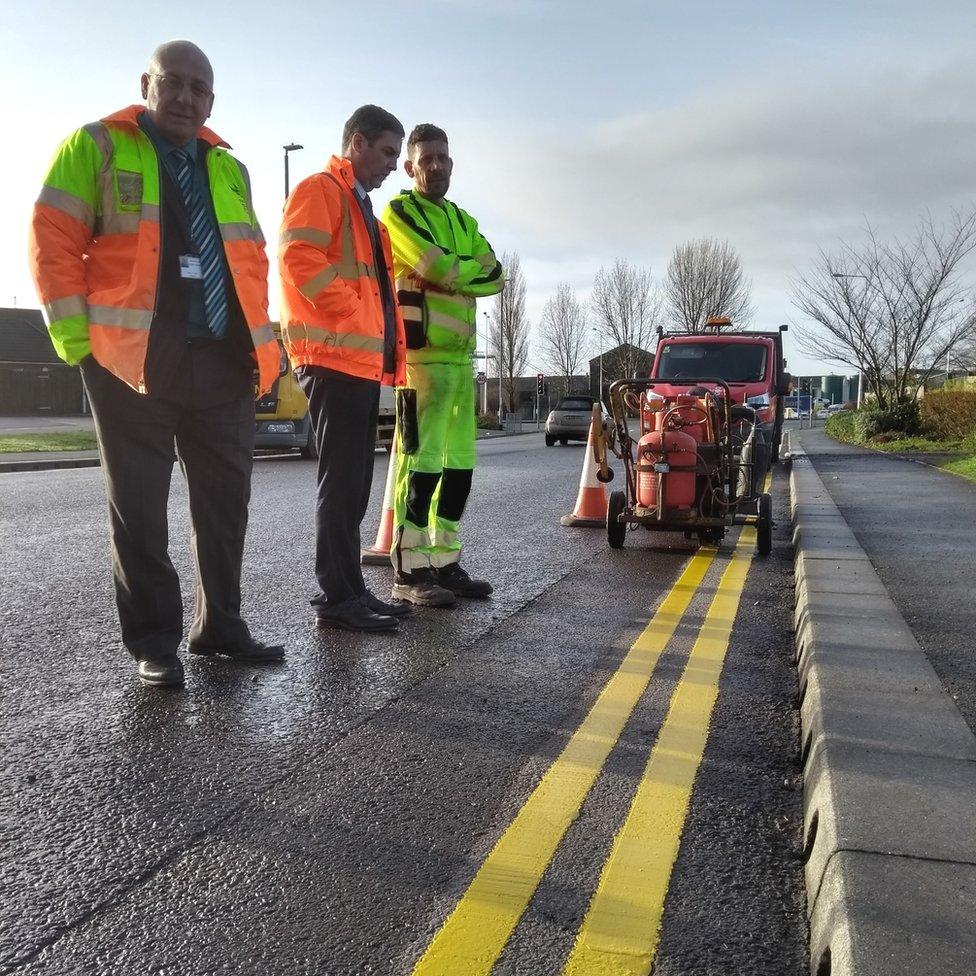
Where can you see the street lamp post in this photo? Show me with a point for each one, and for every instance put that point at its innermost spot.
(291, 147)
(860, 372)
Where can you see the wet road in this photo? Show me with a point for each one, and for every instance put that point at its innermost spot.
(327, 816)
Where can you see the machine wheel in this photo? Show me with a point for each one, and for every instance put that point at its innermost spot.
(710, 537)
(616, 530)
(764, 526)
(550, 441)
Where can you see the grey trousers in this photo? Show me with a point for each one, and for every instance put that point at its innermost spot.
(344, 411)
(137, 435)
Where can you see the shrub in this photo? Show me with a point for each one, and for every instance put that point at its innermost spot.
(902, 417)
(488, 421)
(840, 426)
(950, 414)
(867, 424)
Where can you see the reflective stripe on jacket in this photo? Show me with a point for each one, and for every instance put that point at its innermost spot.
(331, 302)
(95, 246)
(442, 264)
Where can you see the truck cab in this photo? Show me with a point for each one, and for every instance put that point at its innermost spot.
(751, 363)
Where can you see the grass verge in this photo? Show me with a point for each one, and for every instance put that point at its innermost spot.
(81, 440)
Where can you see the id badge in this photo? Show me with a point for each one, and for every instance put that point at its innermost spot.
(190, 266)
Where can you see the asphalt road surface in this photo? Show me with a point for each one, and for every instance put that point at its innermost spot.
(445, 799)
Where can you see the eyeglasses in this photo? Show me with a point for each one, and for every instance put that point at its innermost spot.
(174, 85)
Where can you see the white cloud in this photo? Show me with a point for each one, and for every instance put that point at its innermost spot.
(778, 170)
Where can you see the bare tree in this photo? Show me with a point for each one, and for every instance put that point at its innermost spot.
(626, 305)
(705, 280)
(894, 310)
(563, 334)
(508, 334)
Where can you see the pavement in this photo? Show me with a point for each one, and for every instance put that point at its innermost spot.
(889, 759)
(327, 815)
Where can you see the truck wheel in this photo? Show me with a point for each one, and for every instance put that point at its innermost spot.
(616, 530)
(764, 526)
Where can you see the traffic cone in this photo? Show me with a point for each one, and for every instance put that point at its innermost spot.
(591, 502)
(379, 553)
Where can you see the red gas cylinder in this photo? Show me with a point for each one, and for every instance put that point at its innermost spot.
(689, 415)
(676, 449)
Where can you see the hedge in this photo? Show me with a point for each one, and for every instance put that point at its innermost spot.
(950, 414)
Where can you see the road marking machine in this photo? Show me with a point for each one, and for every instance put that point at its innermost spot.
(698, 465)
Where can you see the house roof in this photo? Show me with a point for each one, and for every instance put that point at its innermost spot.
(610, 354)
(24, 337)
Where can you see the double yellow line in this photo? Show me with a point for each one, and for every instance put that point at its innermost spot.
(620, 932)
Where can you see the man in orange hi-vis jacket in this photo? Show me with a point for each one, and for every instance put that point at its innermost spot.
(150, 265)
(344, 335)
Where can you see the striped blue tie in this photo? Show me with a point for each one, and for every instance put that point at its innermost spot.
(208, 247)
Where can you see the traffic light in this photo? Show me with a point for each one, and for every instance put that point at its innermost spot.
(540, 384)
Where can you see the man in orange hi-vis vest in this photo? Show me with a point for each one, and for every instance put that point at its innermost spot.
(344, 335)
(150, 265)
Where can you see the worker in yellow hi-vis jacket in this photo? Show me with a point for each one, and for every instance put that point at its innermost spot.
(442, 264)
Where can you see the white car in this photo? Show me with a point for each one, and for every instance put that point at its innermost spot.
(570, 421)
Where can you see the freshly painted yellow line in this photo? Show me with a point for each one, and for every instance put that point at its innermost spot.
(619, 935)
(475, 933)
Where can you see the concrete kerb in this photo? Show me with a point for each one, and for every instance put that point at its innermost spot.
(41, 463)
(889, 768)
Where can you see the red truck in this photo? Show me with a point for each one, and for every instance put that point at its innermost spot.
(751, 363)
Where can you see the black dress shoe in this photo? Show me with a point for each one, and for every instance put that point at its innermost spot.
(249, 651)
(354, 615)
(167, 673)
(384, 609)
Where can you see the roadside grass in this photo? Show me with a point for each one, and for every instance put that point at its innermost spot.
(80, 440)
(958, 456)
(963, 466)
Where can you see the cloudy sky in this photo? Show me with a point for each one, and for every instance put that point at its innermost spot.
(578, 136)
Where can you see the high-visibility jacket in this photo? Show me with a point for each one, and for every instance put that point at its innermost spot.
(442, 264)
(331, 302)
(95, 246)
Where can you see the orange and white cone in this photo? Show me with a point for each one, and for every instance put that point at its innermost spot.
(379, 553)
(591, 502)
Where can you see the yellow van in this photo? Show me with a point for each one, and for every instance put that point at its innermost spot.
(282, 422)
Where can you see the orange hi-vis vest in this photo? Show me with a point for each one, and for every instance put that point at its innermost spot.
(331, 303)
(95, 246)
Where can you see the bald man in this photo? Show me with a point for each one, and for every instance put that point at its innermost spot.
(150, 264)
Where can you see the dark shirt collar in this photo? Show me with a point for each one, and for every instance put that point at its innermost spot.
(162, 143)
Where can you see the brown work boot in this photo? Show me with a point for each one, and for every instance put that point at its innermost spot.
(421, 588)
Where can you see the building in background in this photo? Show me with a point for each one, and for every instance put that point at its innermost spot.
(832, 388)
(33, 381)
(614, 367)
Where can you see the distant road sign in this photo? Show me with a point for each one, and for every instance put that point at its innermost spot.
(482, 379)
